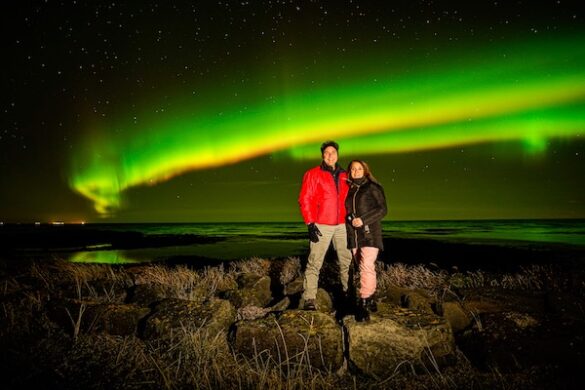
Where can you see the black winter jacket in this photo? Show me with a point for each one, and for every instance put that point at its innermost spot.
(365, 200)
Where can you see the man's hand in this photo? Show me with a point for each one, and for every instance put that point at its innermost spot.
(357, 222)
(314, 232)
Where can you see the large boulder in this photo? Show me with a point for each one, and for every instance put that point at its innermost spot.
(75, 317)
(147, 294)
(255, 312)
(418, 301)
(254, 291)
(120, 320)
(291, 339)
(456, 315)
(397, 337)
(178, 315)
(415, 299)
(323, 301)
(294, 287)
(281, 305)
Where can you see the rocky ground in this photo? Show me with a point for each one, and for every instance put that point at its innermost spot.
(155, 326)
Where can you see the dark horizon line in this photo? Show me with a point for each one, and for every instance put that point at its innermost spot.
(60, 223)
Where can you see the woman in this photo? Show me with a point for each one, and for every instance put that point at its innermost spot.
(366, 206)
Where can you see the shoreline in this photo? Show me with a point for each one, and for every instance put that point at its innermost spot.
(464, 254)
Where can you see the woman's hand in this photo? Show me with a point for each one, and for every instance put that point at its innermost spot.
(357, 222)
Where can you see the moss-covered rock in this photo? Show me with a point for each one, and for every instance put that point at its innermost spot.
(416, 299)
(178, 315)
(147, 294)
(395, 336)
(294, 287)
(75, 317)
(224, 284)
(120, 320)
(254, 291)
(293, 338)
(456, 315)
(281, 305)
(323, 301)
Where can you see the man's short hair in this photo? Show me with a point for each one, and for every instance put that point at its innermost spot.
(327, 144)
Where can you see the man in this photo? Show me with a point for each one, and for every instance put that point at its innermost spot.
(322, 201)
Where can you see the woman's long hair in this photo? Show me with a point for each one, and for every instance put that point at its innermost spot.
(367, 171)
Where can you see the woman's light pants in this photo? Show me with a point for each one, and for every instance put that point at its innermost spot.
(366, 257)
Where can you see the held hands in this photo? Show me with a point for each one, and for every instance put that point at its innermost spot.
(356, 222)
(314, 232)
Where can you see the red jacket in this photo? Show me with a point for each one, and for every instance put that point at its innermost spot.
(320, 199)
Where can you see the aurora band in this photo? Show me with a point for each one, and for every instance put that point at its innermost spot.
(528, 96)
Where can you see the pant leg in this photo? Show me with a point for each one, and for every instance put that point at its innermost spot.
(368, 257)
(317, 253)
(343, 254)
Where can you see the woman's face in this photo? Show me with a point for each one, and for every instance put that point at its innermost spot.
(357, 170)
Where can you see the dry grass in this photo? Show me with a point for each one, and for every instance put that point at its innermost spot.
(190, 359)
(68, 272)
(289, 270)
(180, 276)
(44, 274)
(194, 358)
(180, 282)
(9, 285)
(218, 279)
(186, 283)
(412, 277)
(534, 277)
(254, 266)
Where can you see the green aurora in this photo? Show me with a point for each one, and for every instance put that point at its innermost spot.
(534, 93)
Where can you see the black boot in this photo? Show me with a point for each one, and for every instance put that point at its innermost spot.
(362, 314)
(371, 304)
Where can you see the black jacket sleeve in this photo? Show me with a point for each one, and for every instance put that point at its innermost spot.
(378, 209)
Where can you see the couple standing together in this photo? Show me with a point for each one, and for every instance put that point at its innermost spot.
(345, 208)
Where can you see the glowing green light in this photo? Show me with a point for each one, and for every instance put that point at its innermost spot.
(102, 257)
(534, 129)
(522, 96)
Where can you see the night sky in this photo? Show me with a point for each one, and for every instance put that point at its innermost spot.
(212, 111)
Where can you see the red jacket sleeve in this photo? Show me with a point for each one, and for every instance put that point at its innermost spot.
(307, 197)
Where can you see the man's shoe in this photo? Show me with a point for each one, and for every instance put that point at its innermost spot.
(309, 305)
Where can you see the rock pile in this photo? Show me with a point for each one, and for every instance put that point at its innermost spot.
(258, 310)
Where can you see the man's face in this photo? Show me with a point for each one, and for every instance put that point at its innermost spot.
(330, 156)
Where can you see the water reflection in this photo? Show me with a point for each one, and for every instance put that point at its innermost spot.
(234, 248)
(103, 257)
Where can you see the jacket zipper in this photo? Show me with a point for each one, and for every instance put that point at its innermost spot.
(355, 213)
(337, 197)
(336, 182)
